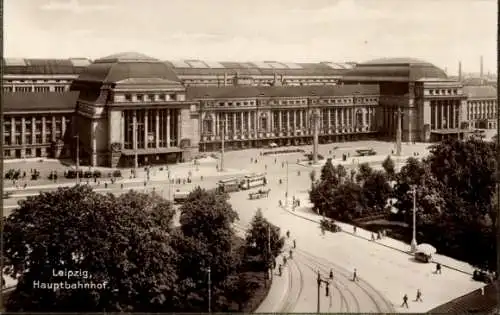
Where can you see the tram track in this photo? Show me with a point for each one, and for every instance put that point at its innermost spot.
(344, 305)
(380, 303)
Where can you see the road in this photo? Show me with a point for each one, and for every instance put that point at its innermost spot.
(385, 275)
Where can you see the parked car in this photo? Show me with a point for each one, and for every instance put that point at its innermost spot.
(423, 257)
(329, 225)
(483, 276)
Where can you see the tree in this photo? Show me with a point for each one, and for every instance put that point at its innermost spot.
(467, 168)
(364, 172)
(389, 167)
(376, 190)
(262, 234)
(346, 203)
(115, 240)
(322, 196)
(205, 241)
(328, 172)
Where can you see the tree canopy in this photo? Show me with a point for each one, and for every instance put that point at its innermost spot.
(455, 192)
(114, 239)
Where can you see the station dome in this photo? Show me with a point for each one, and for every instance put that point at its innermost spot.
(128, 65)
(395, 69)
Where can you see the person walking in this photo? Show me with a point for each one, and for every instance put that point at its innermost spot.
(279, 270)
(438, 268)
(331, 273)
(355, 275)
(354, 228)
(294, 244)
(373, 237)
(291, 254)
(419, 296)
(288, 234)
(405, 301)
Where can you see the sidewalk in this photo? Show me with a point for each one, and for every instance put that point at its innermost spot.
(305, 212)
(183, 171)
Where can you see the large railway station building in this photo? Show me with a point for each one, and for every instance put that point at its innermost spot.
(130, 109)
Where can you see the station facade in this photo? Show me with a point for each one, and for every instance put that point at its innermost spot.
(130, 109)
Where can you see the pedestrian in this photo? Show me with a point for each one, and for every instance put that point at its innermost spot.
(275, 160)
(280, 181)
(355, 275)
(405, 301)
(419, 296)
(121, 186)
(251, 160)
(288, 234)
(284, 260)
(331, 273)
(265, 166)
(291, 254)
(354, 229)
(279, 270)
(438, 268)
(323, 230)
(373, 237)
(280, 203)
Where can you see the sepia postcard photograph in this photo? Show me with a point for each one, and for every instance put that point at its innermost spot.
(249, 156)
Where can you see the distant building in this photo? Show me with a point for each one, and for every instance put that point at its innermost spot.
(482, 106)
(433, 107)
(129, 109)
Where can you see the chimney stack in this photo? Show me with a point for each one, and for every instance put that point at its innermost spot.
(481, 69)
(459, 71)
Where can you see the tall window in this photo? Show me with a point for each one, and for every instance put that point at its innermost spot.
(140, 97)
(208, 125)
(263, 122)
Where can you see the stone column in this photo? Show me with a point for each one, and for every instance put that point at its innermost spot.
(234, 123)
(122, 129)
(329, 125)
(249, 123)
(145, 124)
(341, 112)
(179, 126)
(280, 122)
(442, 114)
(63, 125)
(242, 119)
(23, 131)
(94, 143)
(33, 130)
(168, 128)
(53, 128)
(301, 121)
(288, 121)
(134, 138)
(157, 128)
(44, 136)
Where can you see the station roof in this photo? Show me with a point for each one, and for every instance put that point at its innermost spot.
(394, 69)
(21, 66)
(480, 91)
(39, 101)
(129, 65)
(200, 92)
(199, 67)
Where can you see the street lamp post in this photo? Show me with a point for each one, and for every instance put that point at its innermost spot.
(77, 137)
(414, 233)
(269, 250)
(209, 290)
(319, 281)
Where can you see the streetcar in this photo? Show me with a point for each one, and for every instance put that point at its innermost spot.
(229, 185)
(254, 180)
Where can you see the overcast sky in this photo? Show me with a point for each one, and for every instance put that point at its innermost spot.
(440, 31)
